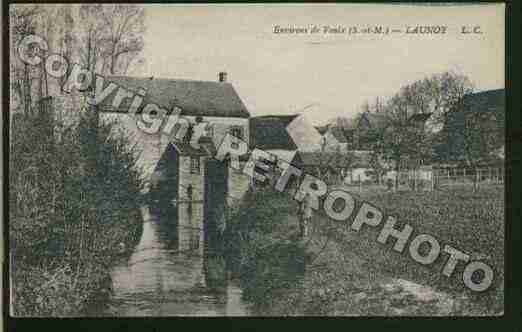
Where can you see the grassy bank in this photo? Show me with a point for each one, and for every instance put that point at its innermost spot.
(350, 273)
(73, 212)
(471, 221)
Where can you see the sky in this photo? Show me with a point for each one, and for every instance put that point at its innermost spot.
(333, 74)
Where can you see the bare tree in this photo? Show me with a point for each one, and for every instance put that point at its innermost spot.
(54, 24)
(112, 36)
(92, 35)
(125, 27)
(23, 22)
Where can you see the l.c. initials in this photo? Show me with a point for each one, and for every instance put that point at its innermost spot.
(471, 29)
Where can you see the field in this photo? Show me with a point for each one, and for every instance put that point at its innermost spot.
(472, 221)
(350, 273)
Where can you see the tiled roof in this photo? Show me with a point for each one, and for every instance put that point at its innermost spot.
(195, 98)
(284, 119)
(270, 133)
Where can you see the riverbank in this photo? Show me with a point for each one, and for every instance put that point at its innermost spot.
(349, 273)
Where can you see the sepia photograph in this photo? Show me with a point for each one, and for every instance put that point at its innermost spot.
(265, 160)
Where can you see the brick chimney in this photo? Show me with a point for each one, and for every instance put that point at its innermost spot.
(222, 76)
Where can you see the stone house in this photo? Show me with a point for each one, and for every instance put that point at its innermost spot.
(215, 103)
(178, 175)
(354, 134)
(304, 134)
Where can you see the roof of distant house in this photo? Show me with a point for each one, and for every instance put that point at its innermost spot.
(195, 98)
(269, 133)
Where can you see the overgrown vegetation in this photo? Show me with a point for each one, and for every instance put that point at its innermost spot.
(263, 248)
(73, 211)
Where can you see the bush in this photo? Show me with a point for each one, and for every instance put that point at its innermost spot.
(267, 256)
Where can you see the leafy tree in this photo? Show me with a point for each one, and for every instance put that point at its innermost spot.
(406, 143)
(403, 142)
(378, 165)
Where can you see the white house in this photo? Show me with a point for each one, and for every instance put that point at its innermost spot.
(305, 136)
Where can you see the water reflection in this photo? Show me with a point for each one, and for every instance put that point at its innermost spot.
(168, 272)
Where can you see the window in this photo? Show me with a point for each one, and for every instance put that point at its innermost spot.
(210, 130)
(237, 131)
(194, 165)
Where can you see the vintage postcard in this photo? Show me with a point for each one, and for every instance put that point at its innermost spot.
(256, 160)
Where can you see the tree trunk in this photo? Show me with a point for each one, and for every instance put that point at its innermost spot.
(27, 90)
(397, 176)
(114, 58)
(415, 173)
(477, 178)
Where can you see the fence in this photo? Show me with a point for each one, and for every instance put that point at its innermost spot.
(468, 176)
(429, 179)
